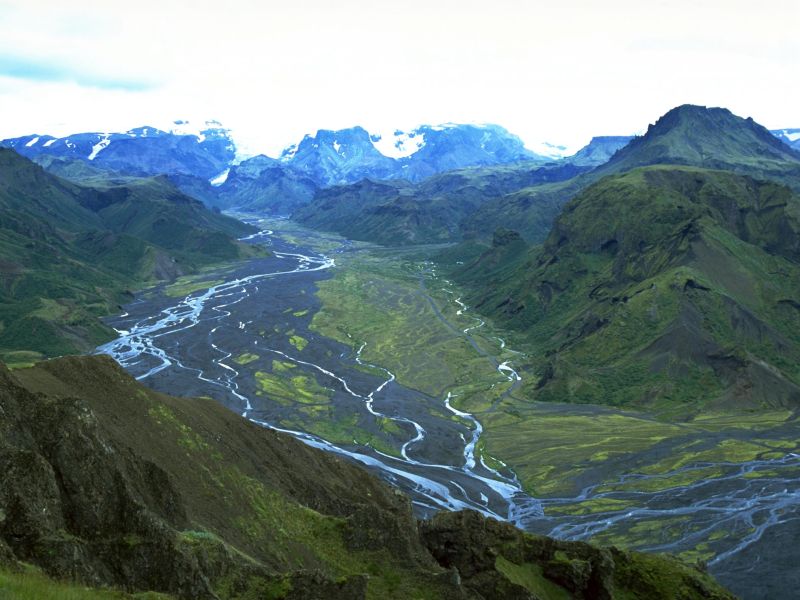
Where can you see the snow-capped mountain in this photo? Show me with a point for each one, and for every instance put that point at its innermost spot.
(205, 151)
(349, 155)
(449, 147)
(263, 184)
(788, 136)
(336, 157)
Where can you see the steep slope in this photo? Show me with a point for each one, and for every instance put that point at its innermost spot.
(154, 210)
(662, 286)
(687, 135)
(142, 151)
(70, 253)
(712, 138)
(110, 484)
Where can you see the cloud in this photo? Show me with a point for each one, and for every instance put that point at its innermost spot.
(45, 70)
(273, 71)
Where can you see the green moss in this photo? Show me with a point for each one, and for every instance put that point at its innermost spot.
(282, 366)
(298, 342)
(246, 358)
(306, 539)
(21, 359)
(187, 437)
(644, 576)
(188, 285)
(30, 584)
(530, 577)
(302, 389)
(376, 299)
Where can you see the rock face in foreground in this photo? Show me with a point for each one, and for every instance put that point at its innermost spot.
(107, 483)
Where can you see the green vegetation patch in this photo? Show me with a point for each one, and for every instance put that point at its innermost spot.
(377, 299)
(298, 342)
(31, 584)
(289, 389)
(246, 358)
(184, 286)
(529, 576)
(187, 437)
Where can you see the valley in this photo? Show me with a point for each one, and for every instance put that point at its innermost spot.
(373, 354)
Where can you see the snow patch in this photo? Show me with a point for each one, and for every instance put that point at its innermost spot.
(32, 142)
(399, 144)
(199, 130)
(288, 153)
(792, 135)
(219, 179)
(549, 150)
(443, 126)
(103, 143)
(50, 142)
(336, 146)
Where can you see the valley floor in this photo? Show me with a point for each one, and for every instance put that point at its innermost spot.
(380, 360)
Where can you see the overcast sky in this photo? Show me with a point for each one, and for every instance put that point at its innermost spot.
(561, 70)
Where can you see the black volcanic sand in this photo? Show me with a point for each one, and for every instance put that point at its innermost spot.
(260, 318)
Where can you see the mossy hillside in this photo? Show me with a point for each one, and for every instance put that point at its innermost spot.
(500, 561)
(239, 500)
(71, 254)
(152, 209)
(711, 138)
(28, 583)
(658, 273)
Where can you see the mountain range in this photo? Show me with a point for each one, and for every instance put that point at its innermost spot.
(204, 163)
(142, 151)
(528, 198)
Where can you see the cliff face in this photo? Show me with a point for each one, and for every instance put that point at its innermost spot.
(107, 483)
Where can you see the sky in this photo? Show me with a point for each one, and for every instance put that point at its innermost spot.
(557, 71)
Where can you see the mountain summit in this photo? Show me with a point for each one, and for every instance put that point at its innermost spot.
(712, 138)
(350, 155)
